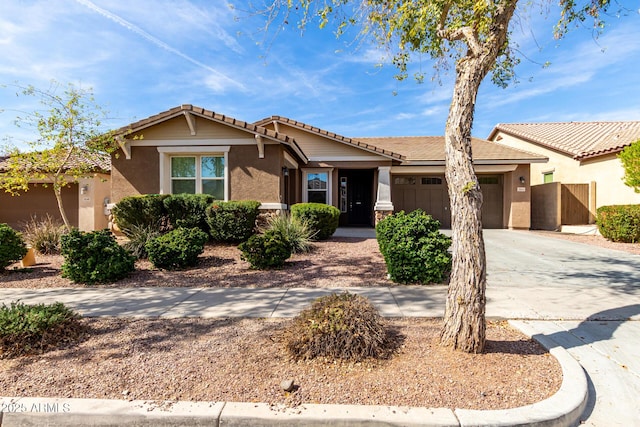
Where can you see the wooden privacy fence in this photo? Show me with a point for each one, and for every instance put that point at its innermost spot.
(555, 204)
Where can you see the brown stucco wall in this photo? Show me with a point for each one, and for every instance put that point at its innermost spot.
(545, 206)
(38, 201)
(252, 178)
(517, 204)
(138, 175)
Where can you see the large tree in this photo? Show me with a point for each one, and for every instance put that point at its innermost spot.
(473, 35)
(70, 142)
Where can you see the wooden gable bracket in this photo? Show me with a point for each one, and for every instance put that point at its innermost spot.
(191, 121)
(260, 142)
(125, 146)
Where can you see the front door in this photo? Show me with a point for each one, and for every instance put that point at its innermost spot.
(356, 188)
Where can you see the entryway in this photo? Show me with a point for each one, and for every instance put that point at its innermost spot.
(355, 197)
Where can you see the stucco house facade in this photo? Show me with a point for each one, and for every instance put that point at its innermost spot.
(578, 153)
(280, 162)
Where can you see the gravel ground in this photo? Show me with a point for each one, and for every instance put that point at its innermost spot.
(244, 360)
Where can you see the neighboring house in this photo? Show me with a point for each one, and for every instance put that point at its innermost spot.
(279, 162)
(579, 153)
(84, 200)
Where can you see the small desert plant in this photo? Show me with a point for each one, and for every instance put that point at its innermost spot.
(268, 250)
(177, 249)
(232, 221)
(339, 326)
(94, 257)
(619, 223)
(12, 246)
(28, 329)
(413, 248)
(296, 231)
(43, 235)
(322, 219)
(139, 235)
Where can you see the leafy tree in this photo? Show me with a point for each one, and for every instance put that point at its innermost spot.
(71, 143)
(474, 36)
(630, 158)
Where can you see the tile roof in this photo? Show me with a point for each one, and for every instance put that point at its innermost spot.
(356, 142)
(98, 162)
(578, 139)
(208, 114)
(419, 150)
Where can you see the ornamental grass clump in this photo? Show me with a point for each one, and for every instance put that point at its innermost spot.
(339, 326)
(33, 329)
(43, 235)
(296, 231)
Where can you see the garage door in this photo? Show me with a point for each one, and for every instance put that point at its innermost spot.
(429, 193)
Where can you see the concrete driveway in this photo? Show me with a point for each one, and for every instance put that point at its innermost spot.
(581, 297)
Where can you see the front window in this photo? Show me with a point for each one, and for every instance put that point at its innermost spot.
(317, 187)
(547, 177)
(198, 175)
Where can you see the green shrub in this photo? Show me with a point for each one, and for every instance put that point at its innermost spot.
(135, 211)
(188, 210)
(12, 247)
(232, 221)
(268, 250)
(413, 248)
(43, 235)
(322, 219)
(177, 249)
(28, 329)
(297, 232)
(139, 235)
(619, 223)
(344, 326)
(94, 257)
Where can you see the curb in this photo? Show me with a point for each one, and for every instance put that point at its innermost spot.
(563, 409)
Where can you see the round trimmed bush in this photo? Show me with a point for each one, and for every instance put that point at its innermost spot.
(619, 223)
(339, 326)
(413, 248)
(94, 257)
(177, 249)
(12, 247)
(147, 210)
(233, 221)
(322, 219)
(188, 210)
(268, 250)
(28, 329)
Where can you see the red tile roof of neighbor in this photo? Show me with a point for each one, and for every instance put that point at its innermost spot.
(97, 162)
(580, 140)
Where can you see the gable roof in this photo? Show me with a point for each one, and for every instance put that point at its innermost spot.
(358, 143)
(580, 140)
(429, 150)
(188, 109)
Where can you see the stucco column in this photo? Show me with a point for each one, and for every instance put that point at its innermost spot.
(383, 200)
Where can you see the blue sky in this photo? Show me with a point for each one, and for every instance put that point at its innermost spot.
(142, 57)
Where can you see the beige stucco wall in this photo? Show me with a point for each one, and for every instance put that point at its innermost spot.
(606, 171)
(94, 193)
(178, 128)
(516, 202)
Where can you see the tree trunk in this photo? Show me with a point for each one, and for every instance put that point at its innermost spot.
(57, 190)
(464, 320)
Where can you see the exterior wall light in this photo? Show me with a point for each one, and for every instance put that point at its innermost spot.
(522, 180)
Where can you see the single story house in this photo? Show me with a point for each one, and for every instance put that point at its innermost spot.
(579, 153)
(85, 200)
(279, 162)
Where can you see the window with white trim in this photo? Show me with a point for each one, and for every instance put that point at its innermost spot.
(198, 175)
(317, 186)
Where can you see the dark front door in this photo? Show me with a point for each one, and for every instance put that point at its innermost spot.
(356, 204)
